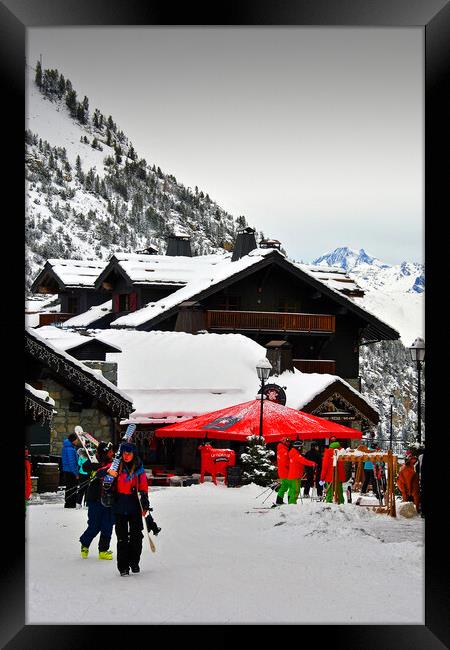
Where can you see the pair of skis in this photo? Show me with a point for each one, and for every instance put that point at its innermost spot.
(88, 443)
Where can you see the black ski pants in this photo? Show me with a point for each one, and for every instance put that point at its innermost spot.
(310, 482)
(129, 540)
(369, 477)
(70, 496)
(83, 484)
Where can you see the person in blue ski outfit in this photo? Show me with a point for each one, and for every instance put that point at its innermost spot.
(369, 475)
(100, 518)
(69, 460)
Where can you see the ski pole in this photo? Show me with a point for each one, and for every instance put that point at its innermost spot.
(272, 486)
(150, 541)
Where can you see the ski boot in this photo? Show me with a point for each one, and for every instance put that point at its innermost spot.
(105, 555)
(84, 552)
(125, 572)
(278, 502)
(135, 569)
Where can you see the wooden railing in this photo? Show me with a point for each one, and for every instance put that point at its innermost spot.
(321, 366)
(269, 320)
(57, 317)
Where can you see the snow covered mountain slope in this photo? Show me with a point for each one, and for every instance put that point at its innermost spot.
(89, 194)
(396, 294)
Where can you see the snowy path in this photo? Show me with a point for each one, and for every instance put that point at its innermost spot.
(216, 562)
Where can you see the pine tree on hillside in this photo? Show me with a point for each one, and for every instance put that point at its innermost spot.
(38, 76)
(256, 462)
(71, 100)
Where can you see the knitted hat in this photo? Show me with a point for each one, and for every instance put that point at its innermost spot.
(335, 445)
(128, 446)
(103, 447)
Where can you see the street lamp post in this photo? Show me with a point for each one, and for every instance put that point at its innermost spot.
(263, 369)
(417, 352)
(392, 400)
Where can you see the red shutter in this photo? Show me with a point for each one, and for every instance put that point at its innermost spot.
(115, 302)
(132, 301)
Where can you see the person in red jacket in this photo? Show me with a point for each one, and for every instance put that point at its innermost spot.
(130, 491)
(27, 477)
(327, 473)
(283, 448)
(297, 464)
(408, 482)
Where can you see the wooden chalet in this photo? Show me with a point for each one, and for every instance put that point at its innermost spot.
(73, 281)
(266, 297)
(81, 395)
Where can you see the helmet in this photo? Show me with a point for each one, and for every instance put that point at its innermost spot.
(297, 444)
(286, 441)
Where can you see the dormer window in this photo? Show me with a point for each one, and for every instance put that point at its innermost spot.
(125, 302)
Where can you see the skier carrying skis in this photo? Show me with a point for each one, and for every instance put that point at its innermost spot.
(327, 473)
(100, 519)
(283, 448)
(130, 479)
(297, 464)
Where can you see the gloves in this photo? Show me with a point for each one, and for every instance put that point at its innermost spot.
(321, 482)
(144, 501)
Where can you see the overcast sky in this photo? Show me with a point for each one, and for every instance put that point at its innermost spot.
(316, 135)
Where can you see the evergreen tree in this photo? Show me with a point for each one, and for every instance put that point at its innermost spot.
(71, 100)
(61, 86)
(256, 464)
(38, 76)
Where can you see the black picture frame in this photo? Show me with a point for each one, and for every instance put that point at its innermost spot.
(434, 16)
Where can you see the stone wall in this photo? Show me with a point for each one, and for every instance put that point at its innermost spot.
(107, 368)
(93, 420)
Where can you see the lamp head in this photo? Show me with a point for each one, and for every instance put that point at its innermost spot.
(417, 350)
(263, 369)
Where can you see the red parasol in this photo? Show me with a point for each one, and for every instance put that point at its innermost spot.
(242, 420)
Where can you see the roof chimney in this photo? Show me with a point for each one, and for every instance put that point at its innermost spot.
(179, 245)
(270, 243)
(245, 242)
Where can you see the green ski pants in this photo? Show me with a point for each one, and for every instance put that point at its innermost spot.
(284, 487)
(294, 489)
(329, 495)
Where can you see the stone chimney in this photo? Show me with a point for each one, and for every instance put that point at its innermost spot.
(179, 245)
(279, 354)
(245, 242)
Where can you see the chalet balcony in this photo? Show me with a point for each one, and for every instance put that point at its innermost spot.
(57, 317)
(270, 321)
(320, 366)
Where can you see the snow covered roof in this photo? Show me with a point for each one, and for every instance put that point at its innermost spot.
(40, 394)
(333, 277)
(70, 273)
(91, 380)
(68, 340)
(172, 376)
(208, 276)
(90, 316)
(214, 276)
(160, 269)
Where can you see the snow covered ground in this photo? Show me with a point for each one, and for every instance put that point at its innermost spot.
(219, 560)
